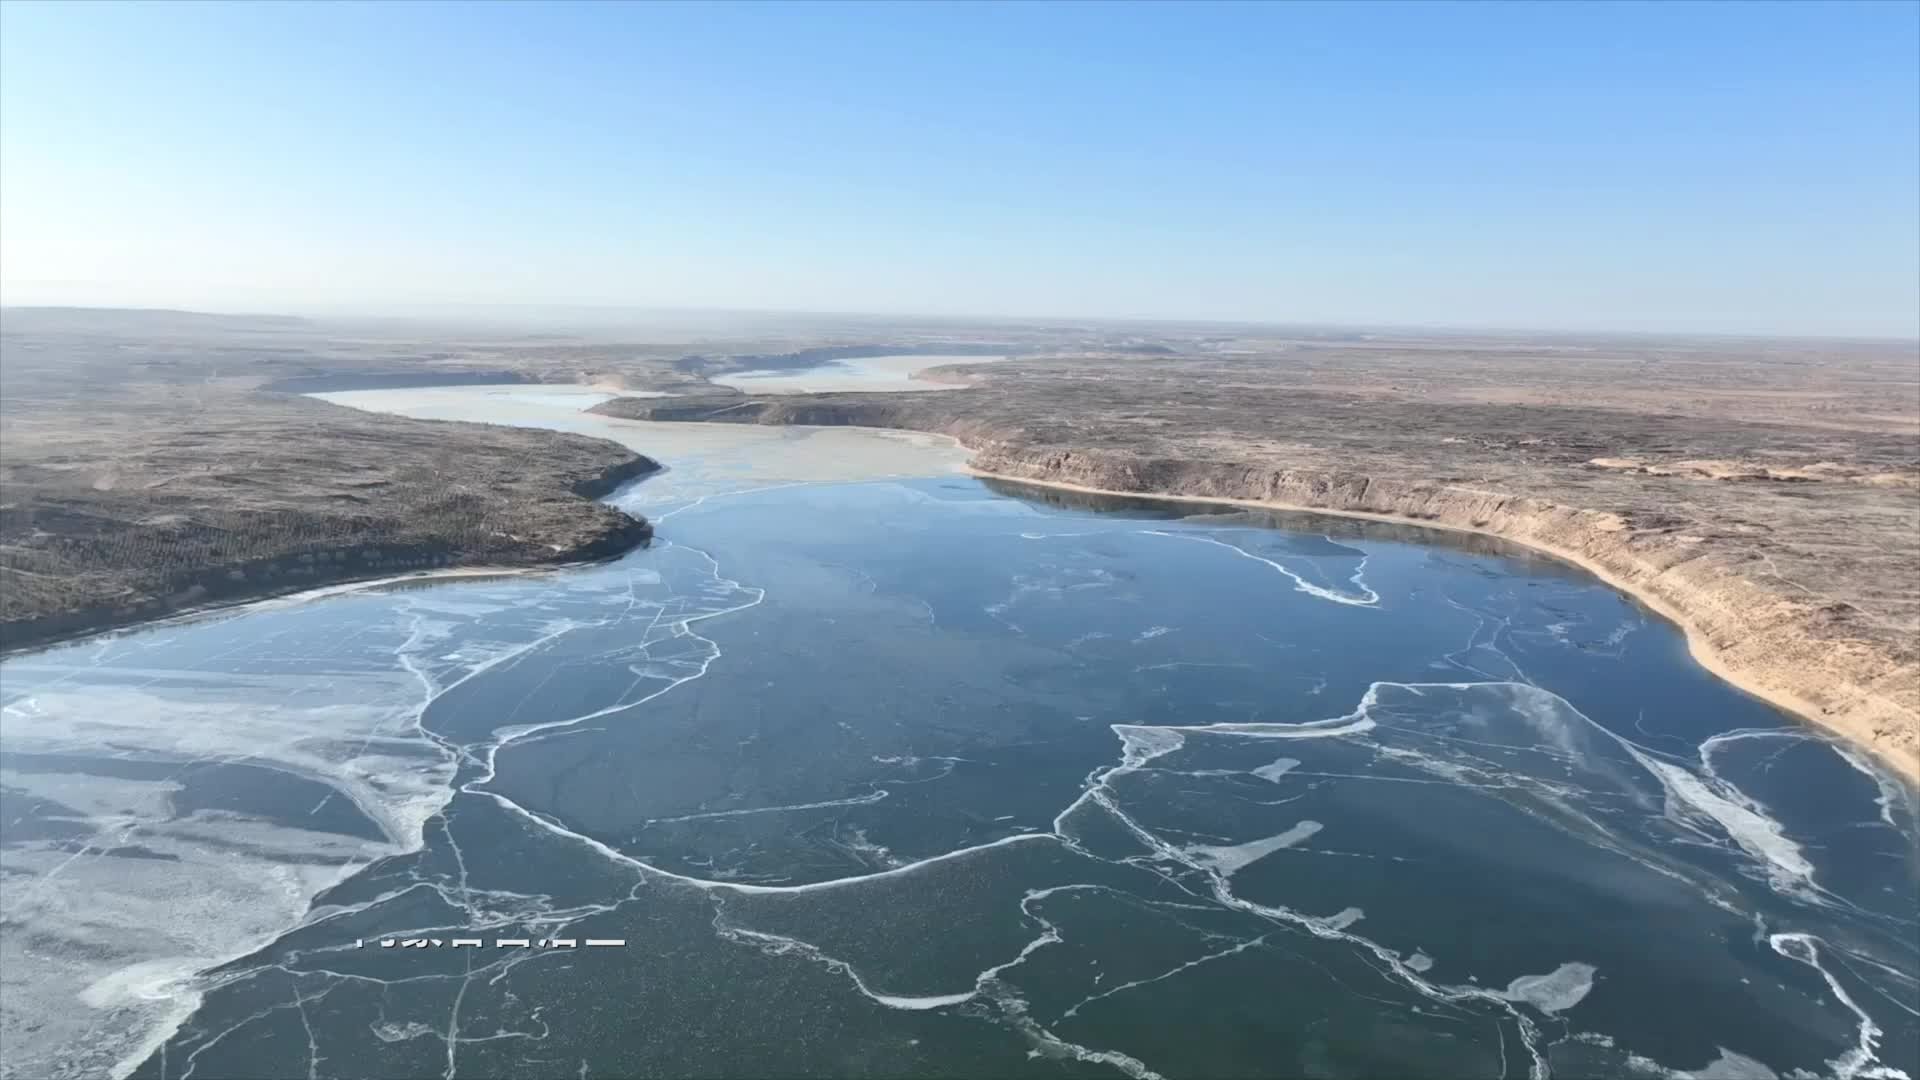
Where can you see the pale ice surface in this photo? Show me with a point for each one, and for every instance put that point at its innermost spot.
(702, 460)
(1690, 796)
(1274, 771)
(330, 696)
(1344, 918)
(498, 398)
(1732, 1066)
(209, 883)
(872, 374)
(1557, 991)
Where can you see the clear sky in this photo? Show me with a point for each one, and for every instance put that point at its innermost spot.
(1722, 167)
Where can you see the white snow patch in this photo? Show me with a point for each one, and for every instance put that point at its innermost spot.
(1557, 991)
(1226, 860)
(1272, 773)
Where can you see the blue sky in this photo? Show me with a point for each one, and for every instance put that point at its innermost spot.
(1720, 167)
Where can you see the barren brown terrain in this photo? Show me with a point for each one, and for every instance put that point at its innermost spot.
(1763, 494)
(137, 481)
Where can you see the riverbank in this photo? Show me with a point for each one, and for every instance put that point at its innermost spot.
(1779, 664)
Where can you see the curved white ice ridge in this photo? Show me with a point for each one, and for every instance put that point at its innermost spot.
(856, 800)
(1861, 1061)
(1891, 793)
(1369, 598)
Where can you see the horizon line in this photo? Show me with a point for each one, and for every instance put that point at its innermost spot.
(351, 312)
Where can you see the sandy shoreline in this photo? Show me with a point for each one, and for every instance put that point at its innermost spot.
(1703, 652)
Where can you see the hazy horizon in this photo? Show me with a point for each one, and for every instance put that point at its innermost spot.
(588, 319)
(1720, 169)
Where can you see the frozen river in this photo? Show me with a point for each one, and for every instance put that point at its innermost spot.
(867, 767)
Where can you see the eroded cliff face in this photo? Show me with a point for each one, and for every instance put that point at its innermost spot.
(1796, 653)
